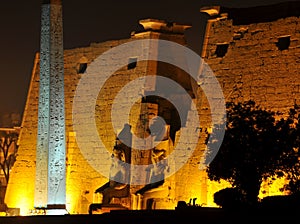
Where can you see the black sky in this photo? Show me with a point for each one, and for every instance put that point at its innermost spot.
(85, 21)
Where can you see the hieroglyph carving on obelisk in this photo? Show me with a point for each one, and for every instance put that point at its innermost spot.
(50, 181)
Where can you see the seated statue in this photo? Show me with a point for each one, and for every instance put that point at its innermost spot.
(156, 177)
(117, 186)
(159, 163)
(155, 187)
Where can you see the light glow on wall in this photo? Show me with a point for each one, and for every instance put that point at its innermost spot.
(273, 188)
(25, 205)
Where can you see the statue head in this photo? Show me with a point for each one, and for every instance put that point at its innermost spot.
(118, 153)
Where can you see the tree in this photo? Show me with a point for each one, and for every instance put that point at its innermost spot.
(252, 149)
(8, 149)
(290, 160)
(229, 198)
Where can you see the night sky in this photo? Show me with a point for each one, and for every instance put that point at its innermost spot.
(85, 21)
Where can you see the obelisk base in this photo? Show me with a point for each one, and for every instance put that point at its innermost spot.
(56, 210)
(51, 210)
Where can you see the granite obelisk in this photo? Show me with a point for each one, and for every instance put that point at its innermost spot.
(50, 181)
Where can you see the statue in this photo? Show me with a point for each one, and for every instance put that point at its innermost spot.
(118, 184)
(157, 170)
(159, 163)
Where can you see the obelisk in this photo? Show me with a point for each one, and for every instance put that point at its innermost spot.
(50, 181)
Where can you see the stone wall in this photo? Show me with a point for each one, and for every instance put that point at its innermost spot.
(83, 177)
(256, 57)
(258, 61)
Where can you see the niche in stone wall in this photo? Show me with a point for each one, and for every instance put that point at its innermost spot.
(221, 49)
(283, 42)
(132, 62)
(82, 65)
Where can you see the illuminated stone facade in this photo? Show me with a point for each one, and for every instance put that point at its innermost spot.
(254, 53)
(82, 179)
(256, 60)
(249, 62)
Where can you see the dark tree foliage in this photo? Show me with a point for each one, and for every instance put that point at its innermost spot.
(7, 153)
(290, 161)
(255, 147)
(229, 198)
